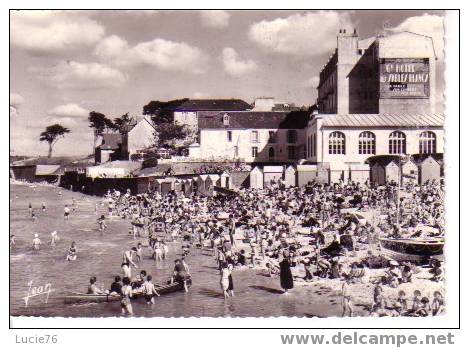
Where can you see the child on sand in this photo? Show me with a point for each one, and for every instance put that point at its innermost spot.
(347, 297)
(438, 304)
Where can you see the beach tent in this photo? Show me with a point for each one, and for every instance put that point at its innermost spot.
(429, 170)
(201, 183)
(323, 173)
(290, 177)
(305, 174)
(383, 172)
(359, 173)
(339, 172)
(409, 172)
(256, 178)
(272, 174)
(225, 180)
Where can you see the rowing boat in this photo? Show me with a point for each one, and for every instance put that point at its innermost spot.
(162, 289)
(412, 249)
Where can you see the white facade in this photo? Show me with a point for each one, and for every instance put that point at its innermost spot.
(141, 136)
(249, 145)
(318, 138)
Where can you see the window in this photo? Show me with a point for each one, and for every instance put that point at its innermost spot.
(337, 143)
(366, 143)
(272, 137)
(254, 137)
(397, 143)
(427, 142)
(229, 136)
(254, 151)
(292, 136)
(226, 120)
(236, 152)
(271, 152)
(291, 152)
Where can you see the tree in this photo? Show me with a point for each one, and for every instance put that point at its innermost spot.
(162, 112)
(167, 134)
(52, 134)
(99, 122)
(121, 122)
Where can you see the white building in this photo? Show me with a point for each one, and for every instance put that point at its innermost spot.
(139, 137)
(341, 140)
(251, 136)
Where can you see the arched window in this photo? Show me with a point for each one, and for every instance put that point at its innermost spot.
(397, 143)
(427, 142)
(337, 143)
(271, 152)
(367, 143)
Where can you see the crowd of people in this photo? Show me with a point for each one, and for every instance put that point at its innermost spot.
(280, 232)
(300, 234)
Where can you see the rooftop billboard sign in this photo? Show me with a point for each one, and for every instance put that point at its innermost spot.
(404, 78)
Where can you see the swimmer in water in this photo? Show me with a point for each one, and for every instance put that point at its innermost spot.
(66, 212)
(36, 242)
(30, 209)
(102, 224)
(72, 252)
(43, 207)
(54, 238)
(12, 241)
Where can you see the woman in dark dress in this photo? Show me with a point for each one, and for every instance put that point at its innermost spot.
(286, 278)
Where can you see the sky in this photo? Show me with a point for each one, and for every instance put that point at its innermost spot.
(64, 64)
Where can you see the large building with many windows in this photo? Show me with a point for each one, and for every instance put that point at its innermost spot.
(375, 97)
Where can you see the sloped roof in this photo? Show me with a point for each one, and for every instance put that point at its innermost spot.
(383, 120)
(159, 170)
(213, 104)
(255, 120)
(111, 141)
(46, 169)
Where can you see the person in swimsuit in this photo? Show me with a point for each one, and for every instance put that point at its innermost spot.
(102, 224)
(54, 238)
(127, 294)
(93, 289)
(72, 252)
(149, 290)
(43, 207)
(36, 242)
(180, 275)
(66, 212)
(347, 297)
(12, 241)
(224, 279)
(116, 286)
